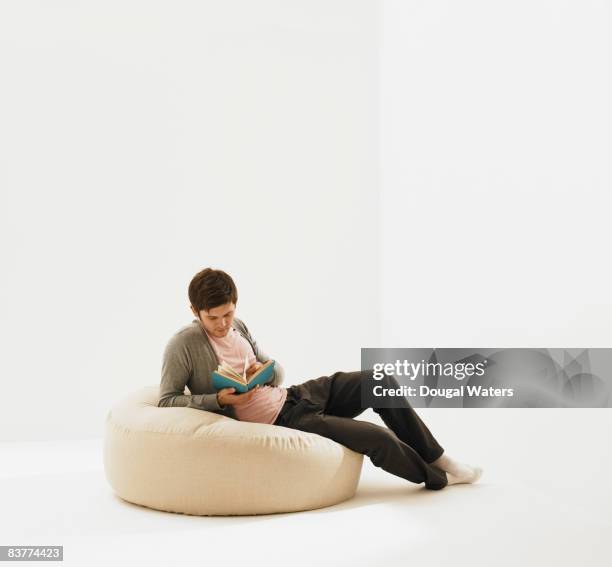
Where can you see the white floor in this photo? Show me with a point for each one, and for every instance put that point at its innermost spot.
(545, 499)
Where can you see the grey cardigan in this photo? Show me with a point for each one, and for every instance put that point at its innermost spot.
(189, 360)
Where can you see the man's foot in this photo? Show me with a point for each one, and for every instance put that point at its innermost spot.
(469, 475)
(456, 472)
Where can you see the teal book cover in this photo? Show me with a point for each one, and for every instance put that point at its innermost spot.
(264, 375)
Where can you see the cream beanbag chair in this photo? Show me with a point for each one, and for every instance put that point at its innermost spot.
(197, 462)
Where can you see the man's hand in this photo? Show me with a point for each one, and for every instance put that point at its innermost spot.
(253, 368)
(226, 396)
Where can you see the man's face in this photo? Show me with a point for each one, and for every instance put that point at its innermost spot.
(218, 320)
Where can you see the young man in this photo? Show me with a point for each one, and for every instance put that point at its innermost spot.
(325, 405)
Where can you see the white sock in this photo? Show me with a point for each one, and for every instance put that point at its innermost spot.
(456, 472)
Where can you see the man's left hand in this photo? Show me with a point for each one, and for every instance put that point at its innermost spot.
(253, 368)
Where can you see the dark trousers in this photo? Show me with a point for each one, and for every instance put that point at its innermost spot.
(327, 406)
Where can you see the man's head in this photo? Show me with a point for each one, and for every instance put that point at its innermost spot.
(213, 296)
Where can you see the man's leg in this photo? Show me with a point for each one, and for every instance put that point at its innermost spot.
(345, 400)
(380, 444)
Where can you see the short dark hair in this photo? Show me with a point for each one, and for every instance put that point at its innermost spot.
(211, 288)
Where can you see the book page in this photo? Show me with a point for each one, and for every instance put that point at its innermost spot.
(226, 370)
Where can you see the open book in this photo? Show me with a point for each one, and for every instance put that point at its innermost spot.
(226, 377)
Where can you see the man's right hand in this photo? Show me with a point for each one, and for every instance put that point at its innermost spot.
(226, 396)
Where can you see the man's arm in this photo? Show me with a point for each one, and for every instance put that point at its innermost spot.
(261, 356)
(176, 369)
(279, 371)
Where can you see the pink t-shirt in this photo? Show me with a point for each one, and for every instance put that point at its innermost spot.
(267, 401)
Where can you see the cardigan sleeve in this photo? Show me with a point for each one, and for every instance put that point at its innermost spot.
(175, 373)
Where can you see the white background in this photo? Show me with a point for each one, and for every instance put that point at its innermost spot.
(144, 141)
(371, 174)
(496, 193)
